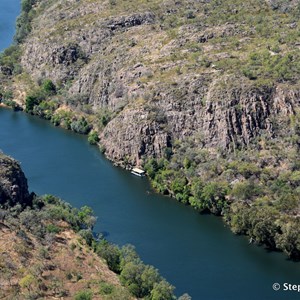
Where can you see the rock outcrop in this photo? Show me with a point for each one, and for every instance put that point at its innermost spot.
(283, 5)
(13, 183)
(166, 71)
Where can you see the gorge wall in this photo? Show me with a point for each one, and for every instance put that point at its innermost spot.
(161, 70)
(13, 183)
(202, 94)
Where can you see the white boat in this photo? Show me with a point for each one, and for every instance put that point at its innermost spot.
(138, 172)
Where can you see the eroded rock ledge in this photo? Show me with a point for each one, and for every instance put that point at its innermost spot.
(13, 183)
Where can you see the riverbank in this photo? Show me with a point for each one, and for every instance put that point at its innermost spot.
(275, 226)
(235, 181)
(196, 238)
(163, 230)
(54, 246)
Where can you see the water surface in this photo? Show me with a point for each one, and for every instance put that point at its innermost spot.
(196, 253)
(9, 10)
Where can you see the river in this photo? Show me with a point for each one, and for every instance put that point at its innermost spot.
(196, 253)
(9, 10)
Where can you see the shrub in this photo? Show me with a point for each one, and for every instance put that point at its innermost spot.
(162, 291)
(27, 282)
(104, 116)
(278, 67)
(84, 295)
(51, 228)
(110, 253)
(93, 137)
(81, 126)
(26, 5)
(106, 288)
(87, 235)
(49, 87)
(30, 102)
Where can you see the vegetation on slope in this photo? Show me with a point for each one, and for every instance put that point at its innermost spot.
(48, 250)
(255, 190)
(170, 65)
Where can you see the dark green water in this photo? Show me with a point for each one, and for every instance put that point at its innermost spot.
(196, 253)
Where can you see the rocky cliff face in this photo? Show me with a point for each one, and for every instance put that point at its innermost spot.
(166, 70)
(232, 115)
(13, 183)
(212, 86)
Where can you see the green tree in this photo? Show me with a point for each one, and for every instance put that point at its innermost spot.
(162, 291)
(213, 196)
(131, 276)
(87, 235)
(110, 253)
(81, 126)
(245, 190)
(128, 254)
(93, 138)
(26, 5)
(49, 87)
(30, 102)
(263, 225)
(185, 296)
(239, 218)
(151, 167)
(196, 190)
(288, 240)
(86, 217)
(149, 277)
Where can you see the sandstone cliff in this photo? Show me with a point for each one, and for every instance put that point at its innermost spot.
(162, 70)
(13, 183)
(209, 89)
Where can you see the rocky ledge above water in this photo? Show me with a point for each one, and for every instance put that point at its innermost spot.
(13, 183)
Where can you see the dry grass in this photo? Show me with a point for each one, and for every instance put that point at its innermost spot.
(60, 269)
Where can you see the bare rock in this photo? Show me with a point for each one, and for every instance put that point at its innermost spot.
(13, 183)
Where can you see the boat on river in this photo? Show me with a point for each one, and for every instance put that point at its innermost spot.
(138, 172)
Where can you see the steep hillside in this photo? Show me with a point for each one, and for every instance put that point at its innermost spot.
(203, 94)
(61, 265)
(13, 183)
(48, 251)
(40, 254)
(161, 71)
